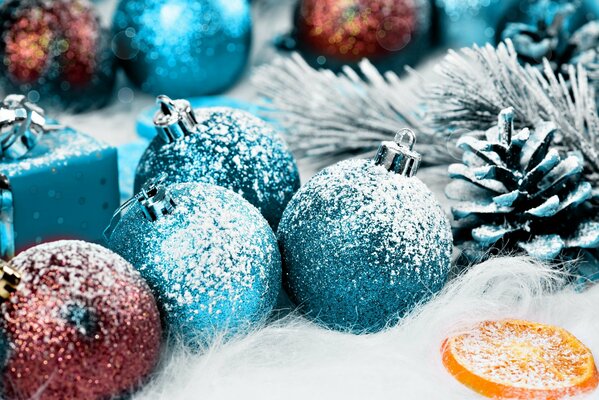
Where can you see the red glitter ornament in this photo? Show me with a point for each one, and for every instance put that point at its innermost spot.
(57, 49)
(81, 325)
(349, 30)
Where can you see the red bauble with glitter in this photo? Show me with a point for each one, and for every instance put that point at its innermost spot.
(349, 30)
(57, 52)
(82, 325)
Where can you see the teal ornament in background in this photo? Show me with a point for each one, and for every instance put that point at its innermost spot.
(225, 147)
(210, 258)
(364, 241)
(462, 23)
(145, 120)
(183, 48)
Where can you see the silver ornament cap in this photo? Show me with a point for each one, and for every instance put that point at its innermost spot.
(155, 202)
(21, 125)
(175, 119)
(398, 155)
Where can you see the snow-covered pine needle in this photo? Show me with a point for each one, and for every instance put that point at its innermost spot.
(477, 83)
(330, 116)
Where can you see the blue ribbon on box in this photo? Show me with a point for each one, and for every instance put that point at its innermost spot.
(7, 235)
(21, 125)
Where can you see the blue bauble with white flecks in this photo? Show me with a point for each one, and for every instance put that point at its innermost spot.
(229, 148)
(362, 245)
(210, 258)
(183, 48)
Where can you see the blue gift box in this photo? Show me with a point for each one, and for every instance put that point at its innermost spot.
(64, 187)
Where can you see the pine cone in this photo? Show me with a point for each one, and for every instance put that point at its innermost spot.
(524, 194)
(585, 43)
(546, 37)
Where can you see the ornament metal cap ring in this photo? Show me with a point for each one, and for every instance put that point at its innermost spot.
(398, 155)
(21, 125)
(175, 119)
(154, 199)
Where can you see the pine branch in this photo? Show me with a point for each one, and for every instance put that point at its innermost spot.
(477, 83)
(330, 116)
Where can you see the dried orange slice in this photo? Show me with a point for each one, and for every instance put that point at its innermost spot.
(516, 359)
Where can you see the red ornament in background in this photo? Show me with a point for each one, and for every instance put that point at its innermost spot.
(82, 325)
(349, 30)
(56, 51)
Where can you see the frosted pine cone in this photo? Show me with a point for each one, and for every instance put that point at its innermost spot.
(520, 192)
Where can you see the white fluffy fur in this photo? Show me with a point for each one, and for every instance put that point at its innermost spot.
(294, 359)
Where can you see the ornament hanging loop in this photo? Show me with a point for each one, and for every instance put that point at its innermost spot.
(21, 126)
(154, 200)
(403, 134)
(398, 156)
(175, 119)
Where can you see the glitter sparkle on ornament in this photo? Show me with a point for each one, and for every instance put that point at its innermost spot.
(362, 245)
(335, 32)
(56, 52)
(82, 325)
(183, 47)
(232, 149)
(212, 261)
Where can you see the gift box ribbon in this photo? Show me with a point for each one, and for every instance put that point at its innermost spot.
(7, 237)
(21, 125)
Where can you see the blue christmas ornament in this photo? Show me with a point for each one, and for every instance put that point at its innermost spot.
(225, 147)
(145, 120)
(463, 23)
(208, 255)
(364, 241)
(183, 47)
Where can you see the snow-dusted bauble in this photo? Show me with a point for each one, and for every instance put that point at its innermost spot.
(364, 241)
(225, 147)
(56, 52)
(82, 324)
(183, 47)
(209, 256)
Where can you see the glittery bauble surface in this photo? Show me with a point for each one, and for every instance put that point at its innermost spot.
(183, 48)
(233, 149)
(349, 30)
(56, 52)
(82, 325)
(362, 245)
(213, 263)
